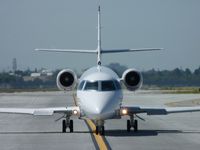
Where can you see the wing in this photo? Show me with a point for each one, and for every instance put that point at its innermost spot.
(41, 111)
(129, 50)
(68, 50)
(158, 110)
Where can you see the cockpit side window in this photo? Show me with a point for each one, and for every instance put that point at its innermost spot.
(117, 85)
(80, 87)
(91, 85)
(107, 85)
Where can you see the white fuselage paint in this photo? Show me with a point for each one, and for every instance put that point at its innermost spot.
(96, 104)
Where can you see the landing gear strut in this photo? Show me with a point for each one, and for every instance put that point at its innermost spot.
(67, 124)
(132, 123)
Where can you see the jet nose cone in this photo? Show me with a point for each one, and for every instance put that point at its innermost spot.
(98, 110)
(98, 105)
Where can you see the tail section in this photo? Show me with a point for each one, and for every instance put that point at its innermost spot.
(99, 37)
(99, 50)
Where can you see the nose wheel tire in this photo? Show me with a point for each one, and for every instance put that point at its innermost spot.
(100, 130)
(97, 130)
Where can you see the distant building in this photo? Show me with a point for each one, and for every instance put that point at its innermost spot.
(45, 72)
(49, 73)
(28, 78)
(43, 75)
(35, 75)
(11, 73)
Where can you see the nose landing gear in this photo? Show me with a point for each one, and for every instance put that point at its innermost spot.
(100, 130)
(100, 127)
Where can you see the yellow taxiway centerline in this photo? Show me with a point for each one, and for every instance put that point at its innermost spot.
(98, 137)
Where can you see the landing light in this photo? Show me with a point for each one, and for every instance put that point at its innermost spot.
(124, 111)
(75, 112)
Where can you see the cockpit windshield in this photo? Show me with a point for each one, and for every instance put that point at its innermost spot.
(91, 85)
(107, 85)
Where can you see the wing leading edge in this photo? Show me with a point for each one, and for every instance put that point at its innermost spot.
(40, 111)
(159, 110)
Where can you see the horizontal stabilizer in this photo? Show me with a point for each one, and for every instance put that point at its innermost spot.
(68, 50)
(129, 50)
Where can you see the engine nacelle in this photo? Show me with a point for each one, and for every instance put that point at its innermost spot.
(66, 80)
(132, 79)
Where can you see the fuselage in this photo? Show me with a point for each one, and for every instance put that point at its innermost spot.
(99, 93)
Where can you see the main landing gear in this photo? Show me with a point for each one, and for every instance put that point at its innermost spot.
(67, 124)
(132, 123)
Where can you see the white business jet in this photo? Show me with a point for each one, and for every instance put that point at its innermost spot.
(99, 93)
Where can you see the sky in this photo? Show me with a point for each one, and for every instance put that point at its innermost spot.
(28, 24)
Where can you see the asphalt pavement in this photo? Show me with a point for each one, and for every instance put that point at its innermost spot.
(26, 132)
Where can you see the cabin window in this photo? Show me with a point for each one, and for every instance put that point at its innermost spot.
(107, 86)
(91, 85)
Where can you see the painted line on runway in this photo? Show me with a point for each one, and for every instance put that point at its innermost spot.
(102, 144)
(92, 136)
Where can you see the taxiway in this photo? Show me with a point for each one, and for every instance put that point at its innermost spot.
(25, 132)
